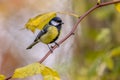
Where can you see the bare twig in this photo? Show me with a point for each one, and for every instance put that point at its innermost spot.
(75, 27)
(8, 78)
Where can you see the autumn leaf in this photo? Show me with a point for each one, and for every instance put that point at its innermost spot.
(117, 6)
(2, 77)
(36, 68)
(98, 1)
(28, 70)
(39, 21)
(50, 74)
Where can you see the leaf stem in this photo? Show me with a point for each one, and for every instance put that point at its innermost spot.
(71, 14)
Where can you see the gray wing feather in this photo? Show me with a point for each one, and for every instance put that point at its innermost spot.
(37, 39)
(42, 32)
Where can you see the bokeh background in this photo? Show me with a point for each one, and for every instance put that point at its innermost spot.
(91, 54)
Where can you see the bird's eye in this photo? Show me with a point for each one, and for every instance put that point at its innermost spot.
(54, 23)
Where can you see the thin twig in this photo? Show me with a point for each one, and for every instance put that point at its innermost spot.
(8, 78)
(74, 28)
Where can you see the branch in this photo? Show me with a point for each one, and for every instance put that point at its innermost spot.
(76, 25)
(98, 5)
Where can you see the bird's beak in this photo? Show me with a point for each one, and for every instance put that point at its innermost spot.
(62, 23)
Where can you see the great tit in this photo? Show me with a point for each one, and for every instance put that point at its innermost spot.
(50, 32)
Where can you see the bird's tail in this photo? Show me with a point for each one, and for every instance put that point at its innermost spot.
(30, 46)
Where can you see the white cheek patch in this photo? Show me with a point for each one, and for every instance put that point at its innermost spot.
(54, 23)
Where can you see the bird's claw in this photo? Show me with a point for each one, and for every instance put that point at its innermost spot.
(56, 44)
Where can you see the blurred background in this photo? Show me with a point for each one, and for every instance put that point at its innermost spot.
(91, 54)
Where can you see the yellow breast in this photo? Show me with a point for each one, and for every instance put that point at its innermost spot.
(50, 35)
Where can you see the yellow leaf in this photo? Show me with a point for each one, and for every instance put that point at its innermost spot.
(28, 70)
(39, 21)
(50, 74)
(2, 77)
(117, 6)
(98, 1)
(36, 68)
(49, 77)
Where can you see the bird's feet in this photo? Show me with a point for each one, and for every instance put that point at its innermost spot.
(55, 44)
(50, 48)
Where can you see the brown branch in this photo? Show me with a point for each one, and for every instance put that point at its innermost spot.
(76, 25)
(98, 5)
(8, 78)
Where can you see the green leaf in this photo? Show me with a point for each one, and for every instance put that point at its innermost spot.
(2, 77)
(104, 13)
(103, 36)
(93, 69)
(39, 21)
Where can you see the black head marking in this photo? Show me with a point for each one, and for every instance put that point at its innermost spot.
(56, 21)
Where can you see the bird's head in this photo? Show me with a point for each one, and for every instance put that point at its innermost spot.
(56, 21)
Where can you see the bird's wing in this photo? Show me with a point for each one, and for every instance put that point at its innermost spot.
(42, 32)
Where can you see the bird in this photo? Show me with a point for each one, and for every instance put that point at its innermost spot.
(49, 34)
